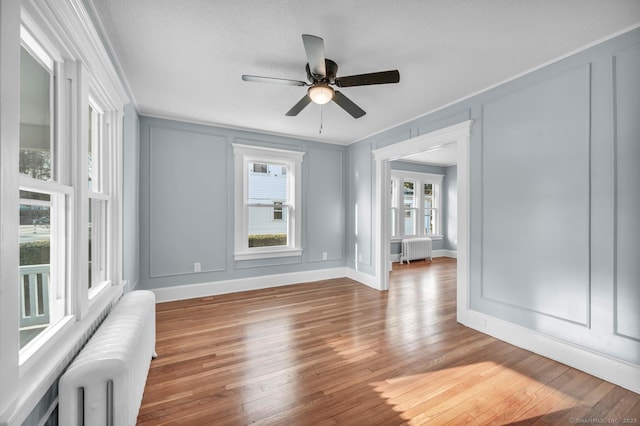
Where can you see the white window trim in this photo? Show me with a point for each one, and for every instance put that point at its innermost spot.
(420, 179)
(68, 36)
(102, 189)
(243, 155)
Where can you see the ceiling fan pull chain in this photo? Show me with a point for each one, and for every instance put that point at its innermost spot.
(320, 132)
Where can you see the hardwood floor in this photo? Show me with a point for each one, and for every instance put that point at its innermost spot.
(338, 352)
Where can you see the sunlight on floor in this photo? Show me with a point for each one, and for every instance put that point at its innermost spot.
(472, 393)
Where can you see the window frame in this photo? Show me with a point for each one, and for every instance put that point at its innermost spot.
(74, 88)
(397, 228)
(243, 155)
(68, 36)
(60, 188)
(100, 214)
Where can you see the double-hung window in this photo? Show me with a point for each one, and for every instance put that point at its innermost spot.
(416, 202)
(45, 197)
(67, 164)
(98, 197)
(267, 190)
(60, 159)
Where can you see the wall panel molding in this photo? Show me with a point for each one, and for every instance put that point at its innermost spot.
(626, 104)
(536, 188)
(187, 187)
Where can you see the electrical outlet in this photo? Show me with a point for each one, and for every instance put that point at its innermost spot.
(324, 255)
(197, 267)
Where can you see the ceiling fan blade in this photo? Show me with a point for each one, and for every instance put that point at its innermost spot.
(382, 77)
(348, 105)
(299, 106)
(257, 79)
(314, 46)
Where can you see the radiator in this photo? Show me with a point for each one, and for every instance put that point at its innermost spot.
(105, 382)
(415, 248)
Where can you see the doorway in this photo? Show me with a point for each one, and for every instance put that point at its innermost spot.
(459, 134)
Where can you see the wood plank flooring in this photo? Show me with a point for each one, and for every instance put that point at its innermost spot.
(336, 352)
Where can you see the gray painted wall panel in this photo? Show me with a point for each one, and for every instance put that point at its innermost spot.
(627, 107)
(177, 150)
(450, 213)
(188, 183)
(361, 203)
(535, 186)
(595, 304)
(325, 205)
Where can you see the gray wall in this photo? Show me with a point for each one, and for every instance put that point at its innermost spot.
(360, 196)
(554, 170)
(450, 211)
(187, 204)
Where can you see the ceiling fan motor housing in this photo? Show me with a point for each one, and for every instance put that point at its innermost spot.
(332, 71)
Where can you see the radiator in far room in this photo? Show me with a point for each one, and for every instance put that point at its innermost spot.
(105, 383)
(415, 248)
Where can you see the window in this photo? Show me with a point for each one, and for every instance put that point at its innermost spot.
(44, 198)
(409, 207)
(277, 210)
(394, 207)
(98, 199)
(430, 210)
(259, 168)
(418, 204)
(66, 203)
(54, 67)
(268, 214)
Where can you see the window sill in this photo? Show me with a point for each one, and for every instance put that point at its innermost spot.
(266, 254)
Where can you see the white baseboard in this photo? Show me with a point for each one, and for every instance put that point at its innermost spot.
(436, 253)
(190, 291)
(445, 253)
(613, 370)
(362, 278)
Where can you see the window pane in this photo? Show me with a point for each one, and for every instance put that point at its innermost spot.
(90, 244)
(277, 211)
(394, 220)
(35, 274)
(265, 232)
(409, 222)
(409, 194)
(394, 191)
(92, 129)
(429, 221)
(428, 196)
(97, 242)
(35, 118)
(268, 185)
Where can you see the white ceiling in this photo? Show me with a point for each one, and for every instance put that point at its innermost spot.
(184, 59)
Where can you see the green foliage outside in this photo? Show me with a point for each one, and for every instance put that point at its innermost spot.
(267, 240)
(34, 253)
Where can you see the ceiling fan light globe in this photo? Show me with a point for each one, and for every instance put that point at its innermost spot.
(321, 94)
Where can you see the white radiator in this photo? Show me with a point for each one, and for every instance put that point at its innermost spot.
(415, 248)
(105, 382)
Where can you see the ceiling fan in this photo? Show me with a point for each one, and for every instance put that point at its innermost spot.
(322, 74)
